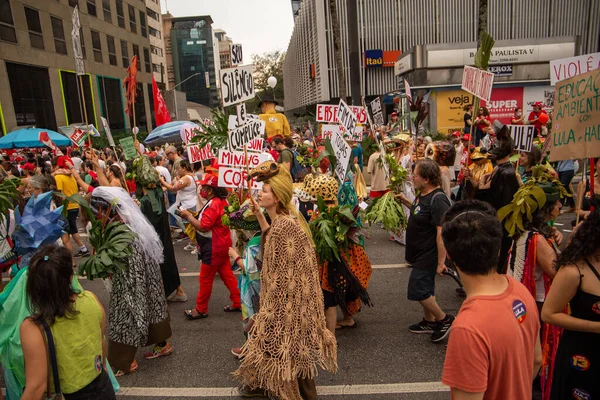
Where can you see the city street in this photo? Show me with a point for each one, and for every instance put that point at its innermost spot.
(378, 360)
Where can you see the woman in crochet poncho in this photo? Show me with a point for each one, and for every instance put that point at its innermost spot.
(288, 339)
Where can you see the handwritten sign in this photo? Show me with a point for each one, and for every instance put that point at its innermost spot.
(186, 131)
(237, 85)
(241, 113)
(328, 113)
(232, 177)
(576, 118)
(76, 40)
(566, 68)
(244, 134)
(236, 54)
(128, 148)
(109, 136)
(328, 129)
(342, 152)
(478, 82)
(237, 158)
(346, 117)
(77, 136)
(376, 105)
(407, 90)
(523, 136)
(197, 153)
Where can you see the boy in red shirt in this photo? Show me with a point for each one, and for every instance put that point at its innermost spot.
(494, 347)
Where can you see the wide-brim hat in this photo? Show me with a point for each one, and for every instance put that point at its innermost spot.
(267, 97)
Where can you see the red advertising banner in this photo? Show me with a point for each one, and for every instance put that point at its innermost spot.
(503, 103)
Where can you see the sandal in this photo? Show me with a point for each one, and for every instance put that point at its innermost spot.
(231, 309)
(189, 314)
(340, 326)
(134, 367)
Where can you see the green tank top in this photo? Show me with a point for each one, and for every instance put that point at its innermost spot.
(78, 343)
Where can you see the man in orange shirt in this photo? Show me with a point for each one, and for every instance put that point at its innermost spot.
(494, 347)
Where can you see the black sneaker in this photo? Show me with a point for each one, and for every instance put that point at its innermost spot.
(82, 253)
(442, 329)
(422, 327)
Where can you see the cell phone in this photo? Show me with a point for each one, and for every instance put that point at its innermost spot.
(178, 212)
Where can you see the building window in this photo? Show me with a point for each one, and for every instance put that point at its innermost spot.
(35, 28)
(58, 32)
(153, 14)
(147, 59)
(74, 3)
(107, 12)
(143, 28)
(124, 54)
(91, 7)
(112, 51)
(156, 68)
(72, 97)
(132, 24)
(82, 42)
(97, 46)
(7, 26)
(154, 32)
(156, 50)
(111, 102)
(31, 95)
(120, 15)
(136, 52)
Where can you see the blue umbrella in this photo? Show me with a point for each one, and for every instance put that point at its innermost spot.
(29, 137)
(167, 133)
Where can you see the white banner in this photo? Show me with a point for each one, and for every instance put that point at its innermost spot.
(566, 68)
(76, 40)
(237, 159)
(478, 82)
(327, 131)
(236, 54)
(232, 177)
(186, 131)
(523, 136)
(244, 134)
(109, 136)
(328, 113)
(376, 106)
(346, 117)
(342, 151)
(197, 153)
(237, 85)
(241, 114)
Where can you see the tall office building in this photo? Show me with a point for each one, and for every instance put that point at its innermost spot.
(224, 42)
(37, 65)
(191, 55)
(157, 44)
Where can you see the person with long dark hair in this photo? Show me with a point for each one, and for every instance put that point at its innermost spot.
(577, 285)
(76, 322)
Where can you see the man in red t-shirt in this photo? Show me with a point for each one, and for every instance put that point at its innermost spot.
(534, 117)
(494, 347)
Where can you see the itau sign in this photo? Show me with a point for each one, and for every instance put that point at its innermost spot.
(237, 85)
(523, 136)
(237, 56)
(576, 118)
(346, 117)
(478, 82)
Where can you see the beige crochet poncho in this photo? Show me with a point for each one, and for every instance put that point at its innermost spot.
(289, 338)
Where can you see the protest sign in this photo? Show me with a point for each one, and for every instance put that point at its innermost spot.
(44, 138)
(232, 121)
(77, 136)
(407, 90)
(523, 136)
(342, 152)
(109, 136)
(328, 113)
(346, 117)
(186, 131)
(237, 85)
(376, 105)
(236, 54)
(244, 134)
(576, 118)
(232, 177)
(197, 153)
(76, 40)
(241, 113)
(378, 119)
(238, 159)
(128, 148)
(478, 82)
(328, 129)
(566, 68)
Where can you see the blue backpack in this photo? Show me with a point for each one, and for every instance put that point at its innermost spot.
(295, 168)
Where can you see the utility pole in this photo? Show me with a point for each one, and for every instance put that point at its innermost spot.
(352, 17)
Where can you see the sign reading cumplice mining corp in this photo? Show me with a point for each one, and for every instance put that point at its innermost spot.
(237, 85)
(244, 134)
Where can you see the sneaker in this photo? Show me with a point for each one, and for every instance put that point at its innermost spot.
(442, 329)
(175, 298)
(189, 247)
(82, 253)
(158, 351)
(244, 391)
(422, 327)
(237, 351)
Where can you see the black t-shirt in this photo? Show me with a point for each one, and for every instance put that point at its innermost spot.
(426, 215)
(467, 117)
(503, 187)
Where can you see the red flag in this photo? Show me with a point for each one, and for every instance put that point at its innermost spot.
(130, 84)
(161, 112)
(44, 138)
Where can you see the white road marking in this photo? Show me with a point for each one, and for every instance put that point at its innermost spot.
(558, 224)
(567, 230)
(335, 390)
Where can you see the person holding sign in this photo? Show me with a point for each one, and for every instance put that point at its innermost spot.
(276, 124)
(518, 118)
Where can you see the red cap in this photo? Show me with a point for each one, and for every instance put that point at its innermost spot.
(29, 167)
(62, 161)
(466, 137)
(456, 134)
(394, 114)
(538, 104)
(209, 180)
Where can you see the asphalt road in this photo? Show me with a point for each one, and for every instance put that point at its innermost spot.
(379, 359)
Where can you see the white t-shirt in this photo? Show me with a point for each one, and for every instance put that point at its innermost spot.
(77, 163)
(164, 173)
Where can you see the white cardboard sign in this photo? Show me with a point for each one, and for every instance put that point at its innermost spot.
(197, 153)
(244, 134)
(523, 136)
(346, 117)
(236, 54)
(237, 159)
(566, 68)
(342, 151)
(76, 40)
(237, 85)
(328, 129)
(186, 131)
(328, 113)
(478, 82)
(241, 113)
(232, 177)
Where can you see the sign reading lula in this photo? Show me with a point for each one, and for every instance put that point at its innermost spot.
(237, 85)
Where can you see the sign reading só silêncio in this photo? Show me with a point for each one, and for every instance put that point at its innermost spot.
(237, 85)
(236, 54)
(242, 135)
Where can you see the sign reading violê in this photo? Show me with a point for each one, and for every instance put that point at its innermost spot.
(478, 82)
(576, 118)
(232, 177)
(236, 54)
(328, 113)
(342, 151)
(244, 134)
(237, 85)
(237, 159)
(566, 68)
(128, 148)
(523, 136)
(346, 117)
